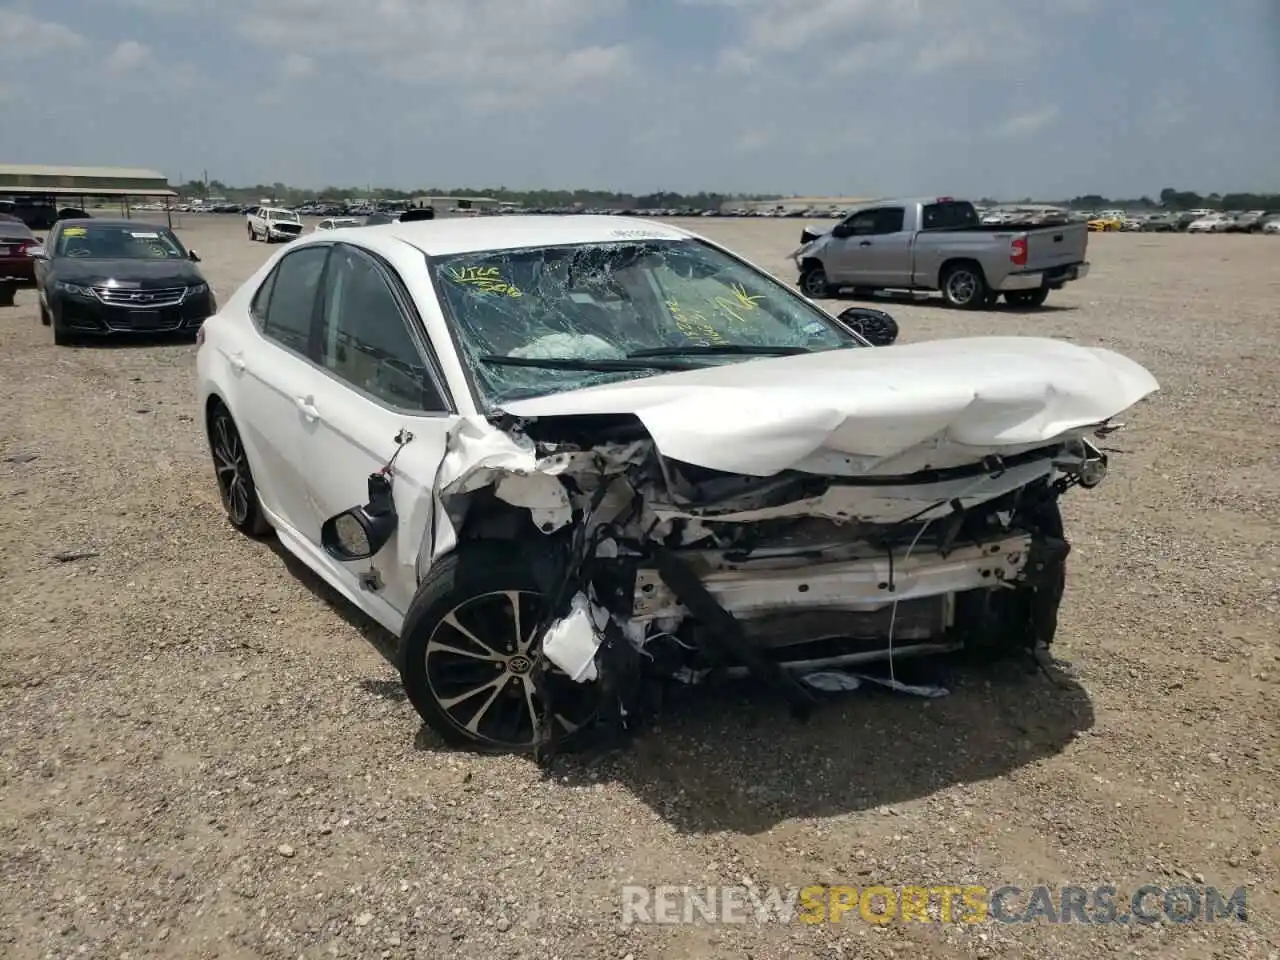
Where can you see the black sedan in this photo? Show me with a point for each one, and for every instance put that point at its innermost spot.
(119, 277)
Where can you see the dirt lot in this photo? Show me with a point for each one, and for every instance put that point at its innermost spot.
(203, 755)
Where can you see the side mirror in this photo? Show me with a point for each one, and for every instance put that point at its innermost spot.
(360, 532)
(192, 255)
(842, 230)
(875, 326)
(38, 253)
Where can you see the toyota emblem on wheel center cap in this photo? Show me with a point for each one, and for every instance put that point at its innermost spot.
(519, 664)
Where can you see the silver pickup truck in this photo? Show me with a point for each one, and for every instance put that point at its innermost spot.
(939, 243)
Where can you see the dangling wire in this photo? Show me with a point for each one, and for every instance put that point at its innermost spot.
(893, 614)
(403, 439)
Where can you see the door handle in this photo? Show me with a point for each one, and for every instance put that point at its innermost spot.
(237, 362)
(307, 407)
(865, 243)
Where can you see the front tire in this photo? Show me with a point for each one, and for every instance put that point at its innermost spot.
(467, 654)
(964, 286)
(235, 480)
(814, 283)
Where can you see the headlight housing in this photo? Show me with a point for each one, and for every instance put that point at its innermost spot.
(75, 290)
(197, 289)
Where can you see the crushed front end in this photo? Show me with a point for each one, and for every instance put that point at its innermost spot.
(658, 569)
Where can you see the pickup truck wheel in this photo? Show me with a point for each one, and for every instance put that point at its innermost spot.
(1027, 298)
(813, 282)
(963, 286)
(252, 236)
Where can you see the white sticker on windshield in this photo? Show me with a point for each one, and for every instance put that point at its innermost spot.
(816, 327)
(145, 236)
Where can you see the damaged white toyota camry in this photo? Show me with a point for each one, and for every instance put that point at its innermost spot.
(564, 459)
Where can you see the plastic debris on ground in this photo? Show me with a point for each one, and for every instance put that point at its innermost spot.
(838, 681)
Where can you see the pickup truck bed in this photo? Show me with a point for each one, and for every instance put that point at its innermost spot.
(939, 244)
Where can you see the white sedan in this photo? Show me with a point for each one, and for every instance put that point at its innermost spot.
(564, 458)
(1214, 223)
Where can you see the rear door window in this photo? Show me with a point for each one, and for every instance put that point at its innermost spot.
(293, 292)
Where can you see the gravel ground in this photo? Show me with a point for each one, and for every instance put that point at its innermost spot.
(204, 754)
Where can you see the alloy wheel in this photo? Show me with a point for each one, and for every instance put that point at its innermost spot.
(962, 286)
(232, 467)
(479, 663)
(815, 284)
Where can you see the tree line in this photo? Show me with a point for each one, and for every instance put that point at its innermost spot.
(661, 200)
(1170, 198)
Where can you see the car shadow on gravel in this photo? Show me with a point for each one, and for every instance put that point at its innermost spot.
(728, 756)
(134, 341)
(375, 633)
(731, 758)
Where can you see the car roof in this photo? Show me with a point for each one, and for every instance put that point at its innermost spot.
(471, 234)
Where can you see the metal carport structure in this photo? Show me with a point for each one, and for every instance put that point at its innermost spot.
(50, 184)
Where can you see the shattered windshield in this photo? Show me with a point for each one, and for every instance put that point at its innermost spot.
(548, 319)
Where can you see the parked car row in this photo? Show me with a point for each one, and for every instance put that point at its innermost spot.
(279, 224)
(1190, 221)
(1028, 215)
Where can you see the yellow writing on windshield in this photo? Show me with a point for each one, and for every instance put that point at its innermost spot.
(738, 303)
(487, 279)
(693, 324)
(74, 232)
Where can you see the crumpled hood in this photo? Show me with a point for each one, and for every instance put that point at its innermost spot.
(948, 401)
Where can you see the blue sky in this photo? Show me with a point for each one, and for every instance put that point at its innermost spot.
(1005, 98)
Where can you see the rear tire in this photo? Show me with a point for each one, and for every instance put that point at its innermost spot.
(964, 286)
(45, 319)
(1027, 298)
(236, 487)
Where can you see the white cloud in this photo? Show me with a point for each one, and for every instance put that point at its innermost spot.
(22, 35)
(868, 96)
(296, 66)
(497, 52)
(1028, 123)
(905, 36)
(127, 55)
